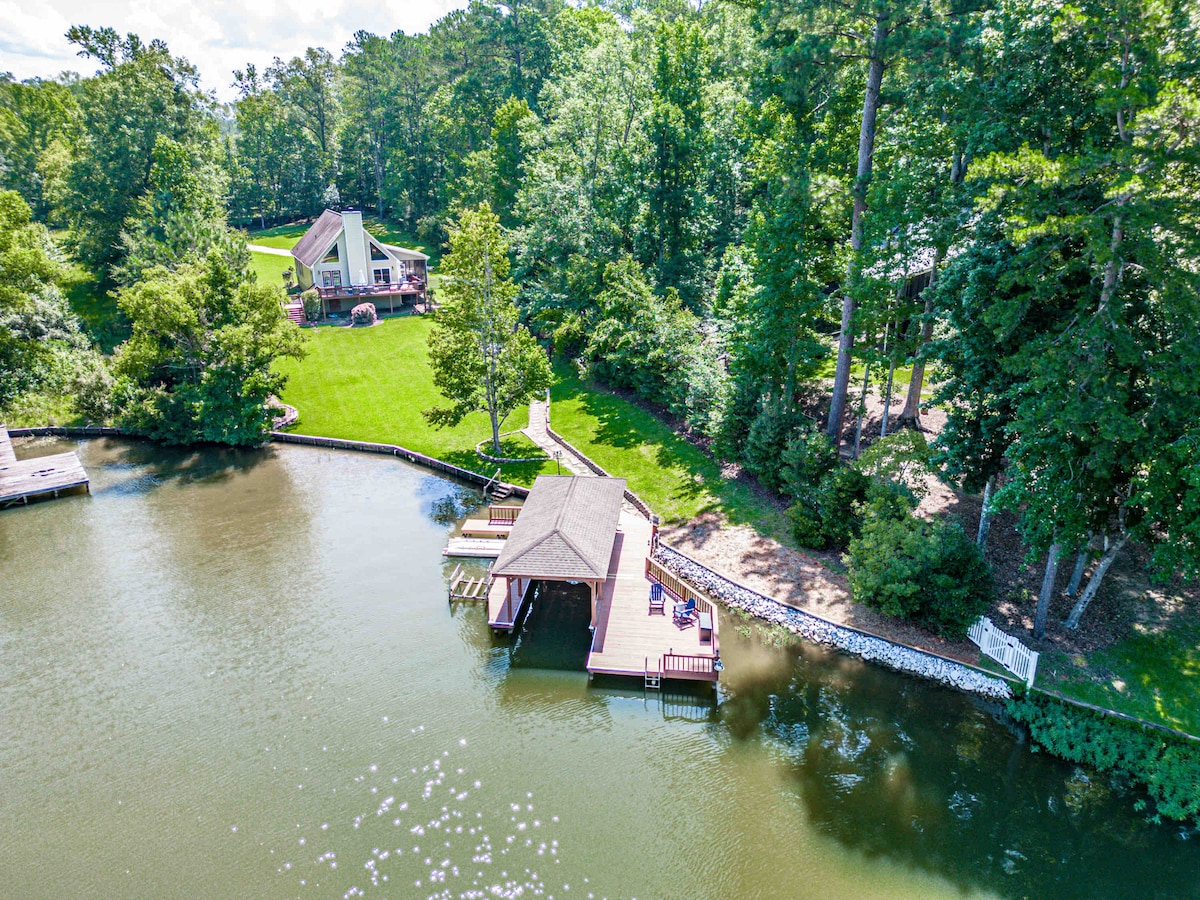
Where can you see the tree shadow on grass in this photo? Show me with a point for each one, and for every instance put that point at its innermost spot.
(695, 479)
(522, 474)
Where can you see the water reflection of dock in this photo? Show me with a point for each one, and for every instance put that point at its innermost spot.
(579, 531)
(23, 480)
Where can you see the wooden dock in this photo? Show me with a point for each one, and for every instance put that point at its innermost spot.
(504, 608)
(464, 587)
(631, 641)
(478, 548)
(23, 480)
(498, 524)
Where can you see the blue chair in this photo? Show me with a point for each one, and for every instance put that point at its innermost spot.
(657, 601)
(685, 611)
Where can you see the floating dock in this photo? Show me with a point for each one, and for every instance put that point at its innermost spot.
(478, 548)
(24, 480)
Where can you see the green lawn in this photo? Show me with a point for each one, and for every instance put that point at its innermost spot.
(1152, 675)
(676, 478)
(371, 384)
(269, 268)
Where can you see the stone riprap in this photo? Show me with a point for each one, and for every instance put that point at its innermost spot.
(820, 631)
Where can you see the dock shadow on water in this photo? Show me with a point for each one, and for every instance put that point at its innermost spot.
(554, 633)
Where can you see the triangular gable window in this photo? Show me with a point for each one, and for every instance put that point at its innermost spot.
(332, 255)
(376, 253)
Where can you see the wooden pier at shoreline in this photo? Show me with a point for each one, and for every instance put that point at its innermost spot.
(581, 531)
(42, 476)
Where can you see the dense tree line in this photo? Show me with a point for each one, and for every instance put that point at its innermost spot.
(749, 214)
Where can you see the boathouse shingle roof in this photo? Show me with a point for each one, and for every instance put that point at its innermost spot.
(565, 530)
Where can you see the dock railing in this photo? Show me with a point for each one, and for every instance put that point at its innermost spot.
(676, 587)
(686, 664)
(503, 515)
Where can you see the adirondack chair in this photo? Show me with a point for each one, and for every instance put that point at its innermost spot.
(685, 611)
(657, 600)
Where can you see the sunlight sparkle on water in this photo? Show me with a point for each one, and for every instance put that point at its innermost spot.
(464, 861)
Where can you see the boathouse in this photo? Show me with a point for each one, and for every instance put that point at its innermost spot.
(579, 530)
(565, 532)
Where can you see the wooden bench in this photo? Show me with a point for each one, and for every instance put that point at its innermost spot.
(705, 619)
(498, 524)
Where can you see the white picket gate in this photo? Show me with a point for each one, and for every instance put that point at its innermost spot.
(1005, 649)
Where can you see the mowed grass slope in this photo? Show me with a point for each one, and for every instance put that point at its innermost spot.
(676, 478)
(371, 384)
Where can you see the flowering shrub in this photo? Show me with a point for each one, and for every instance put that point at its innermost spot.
(363, 314)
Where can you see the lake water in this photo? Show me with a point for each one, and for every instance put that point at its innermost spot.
(228, 674)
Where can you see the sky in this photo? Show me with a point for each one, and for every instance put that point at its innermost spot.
(216, 36)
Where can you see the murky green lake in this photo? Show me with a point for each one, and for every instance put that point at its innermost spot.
(237, 674)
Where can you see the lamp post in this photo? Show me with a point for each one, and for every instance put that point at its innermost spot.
(558, 461)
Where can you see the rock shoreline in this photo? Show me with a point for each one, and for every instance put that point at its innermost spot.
(817, 630)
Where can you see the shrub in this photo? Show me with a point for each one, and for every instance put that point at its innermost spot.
(570, 337)
(363, 314)
(902, 457)
(1166, 766)
(829, 515)
(927, 572)
(312, 304)
(769, 436)
(808, 457)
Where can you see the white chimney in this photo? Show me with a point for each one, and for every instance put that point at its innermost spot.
(356, 248)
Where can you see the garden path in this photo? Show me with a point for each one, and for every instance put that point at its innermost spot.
(270, 251)
(537, 432)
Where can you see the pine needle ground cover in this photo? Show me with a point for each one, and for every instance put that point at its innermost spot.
(371, 384)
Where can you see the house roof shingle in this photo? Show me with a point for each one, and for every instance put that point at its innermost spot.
(565, 530)
(310, 248)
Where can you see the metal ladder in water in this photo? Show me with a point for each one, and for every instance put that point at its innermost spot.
(653, 679)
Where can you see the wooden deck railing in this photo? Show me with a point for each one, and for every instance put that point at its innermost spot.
(686, 664)
(350, 292)
(503, 515)
(675, 586)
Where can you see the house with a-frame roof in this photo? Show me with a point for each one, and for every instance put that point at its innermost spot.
(348, 265)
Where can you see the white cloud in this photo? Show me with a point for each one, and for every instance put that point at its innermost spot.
(217, 36)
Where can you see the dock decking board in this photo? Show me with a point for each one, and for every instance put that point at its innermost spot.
(22, 480)
(626, 634)
(7, 457)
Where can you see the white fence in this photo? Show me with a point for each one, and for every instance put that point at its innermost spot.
(1005, 649)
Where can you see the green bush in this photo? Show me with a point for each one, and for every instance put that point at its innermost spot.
(927, 572)
(768, 438)
(312, 304)
(808, 457)
(1167, 767)
(570, 337)
(830, 515)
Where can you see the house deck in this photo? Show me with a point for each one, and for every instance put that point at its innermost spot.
(22, 480)
(631, 641)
